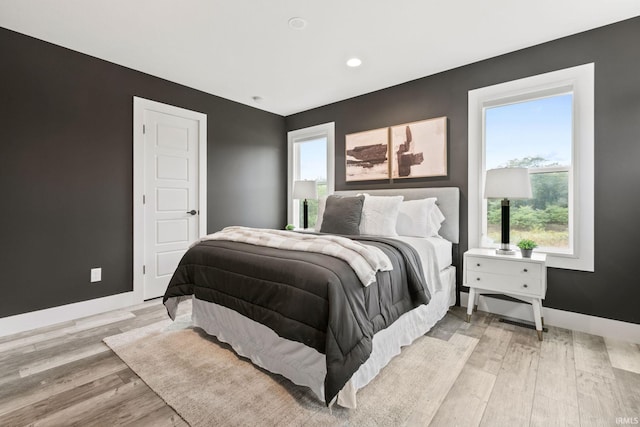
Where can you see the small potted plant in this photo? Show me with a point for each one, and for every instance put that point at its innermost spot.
(526, 247)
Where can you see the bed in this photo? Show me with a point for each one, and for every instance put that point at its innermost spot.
(280, 327)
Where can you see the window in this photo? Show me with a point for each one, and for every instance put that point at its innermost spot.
(542, 129)
(311, 157)
(544, 123)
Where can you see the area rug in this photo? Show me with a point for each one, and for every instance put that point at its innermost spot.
(223, 389)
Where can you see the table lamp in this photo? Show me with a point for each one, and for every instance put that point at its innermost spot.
(305, 190)
(506, 184)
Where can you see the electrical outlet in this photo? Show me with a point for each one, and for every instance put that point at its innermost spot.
(96, 274)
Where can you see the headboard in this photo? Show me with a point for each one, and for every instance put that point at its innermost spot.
(448, 202)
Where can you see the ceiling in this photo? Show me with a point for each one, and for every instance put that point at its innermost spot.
(241, 49)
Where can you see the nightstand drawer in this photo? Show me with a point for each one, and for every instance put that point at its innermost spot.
(520, 269)
(503, 283)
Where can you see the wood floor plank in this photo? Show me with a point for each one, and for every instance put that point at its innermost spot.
(423, 414)
(57, 402)
(10, 367)
(591, 354)
(102, 320)
(491, 349)
(79, 325)
(511, 401)
(525, 336)
(144, 320)
(41, 352)
(148, 309)
(466, 401)
(29, 340)
(156, 302)
(126, 408)
(83, 337)
(623, 355)
(627, 393)
(446, 327)
(479, 323)
(547, 412)
(37, 331)
(26, 391)
(113, 407)
(556, 399)
(62, 359)
(596, 399)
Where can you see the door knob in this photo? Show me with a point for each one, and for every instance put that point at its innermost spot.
(192, 212)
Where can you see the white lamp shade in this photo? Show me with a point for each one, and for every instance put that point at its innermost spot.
(305, 190)
(507, 183)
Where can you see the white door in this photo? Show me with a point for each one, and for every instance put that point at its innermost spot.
(171, 198)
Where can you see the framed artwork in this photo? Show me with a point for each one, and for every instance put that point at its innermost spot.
(419, 149)
(367, 155)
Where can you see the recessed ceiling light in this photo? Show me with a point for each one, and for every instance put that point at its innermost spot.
(354, 62)
(297, 23)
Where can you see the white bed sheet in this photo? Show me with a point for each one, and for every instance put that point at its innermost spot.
(435, 254)
(428, 246)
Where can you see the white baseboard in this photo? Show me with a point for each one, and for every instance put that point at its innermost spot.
(50, 316)
(564, 319)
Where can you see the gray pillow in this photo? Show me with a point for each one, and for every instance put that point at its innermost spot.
(342, 215)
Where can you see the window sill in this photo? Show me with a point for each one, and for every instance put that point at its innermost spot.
(568, 262)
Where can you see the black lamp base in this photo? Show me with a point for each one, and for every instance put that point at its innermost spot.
(504, 248)
(305, 214)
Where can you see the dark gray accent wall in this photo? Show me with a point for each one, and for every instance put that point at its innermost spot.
(66, 170)
(613, 290)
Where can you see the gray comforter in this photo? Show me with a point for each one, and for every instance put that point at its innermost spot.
(311, 298)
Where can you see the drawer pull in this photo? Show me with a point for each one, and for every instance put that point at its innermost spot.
(525, 270)
(477, 279)
(478, 265)
(525, 286)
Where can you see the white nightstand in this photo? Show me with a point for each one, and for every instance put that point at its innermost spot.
(486, 272)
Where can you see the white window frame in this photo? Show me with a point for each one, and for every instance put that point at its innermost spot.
(580, 81)
(326, 130)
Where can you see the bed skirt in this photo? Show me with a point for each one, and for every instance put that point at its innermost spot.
(306, 366)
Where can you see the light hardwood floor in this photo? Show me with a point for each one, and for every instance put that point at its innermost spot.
(65, 375)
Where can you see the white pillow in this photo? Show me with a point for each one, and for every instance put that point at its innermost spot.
(419, 218)
(380, 215)
(436, 218)
(322, 202)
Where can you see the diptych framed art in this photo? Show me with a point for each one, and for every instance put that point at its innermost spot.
(410, 150)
